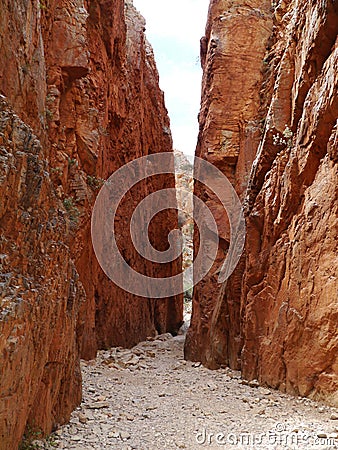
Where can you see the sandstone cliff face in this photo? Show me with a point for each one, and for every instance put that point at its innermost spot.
(230, 127)
(290, 289)
(40, 293)
(82, 78)
(278, 319)
(106, 109)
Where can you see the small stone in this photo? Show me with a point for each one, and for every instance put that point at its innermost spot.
(322, 435)
(114, 435)
(254, 384)
(76, 438)
(83, 418)
(124, 435)
(37, 444)
(151, 408)
(265, 391)
(98, 405)
(334, 416)
(164, 337)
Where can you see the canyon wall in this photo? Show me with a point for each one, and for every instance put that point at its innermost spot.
(276, 317)
(40, 292)
(80, 98)
(232, 51)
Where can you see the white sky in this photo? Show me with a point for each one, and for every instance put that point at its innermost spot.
(174, 29)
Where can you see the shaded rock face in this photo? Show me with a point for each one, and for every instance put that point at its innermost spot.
(276, 318)
(290, 288)
(106, 109)
(82, 78)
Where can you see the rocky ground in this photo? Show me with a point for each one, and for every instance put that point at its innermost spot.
(149, 398)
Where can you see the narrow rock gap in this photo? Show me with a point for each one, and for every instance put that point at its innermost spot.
(184, 192)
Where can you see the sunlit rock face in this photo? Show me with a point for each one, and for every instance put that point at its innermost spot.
(40, 290)
(276, 317)
(81, 99)
(232, 52)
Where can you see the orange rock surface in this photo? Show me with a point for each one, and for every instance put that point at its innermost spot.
(230, 128)
(269, 109)
(40, 294)
(82, 78)
(290, 288)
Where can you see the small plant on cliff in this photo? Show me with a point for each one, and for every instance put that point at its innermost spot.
(94, 182)
(285, 139)
(42, 5)
(25, 69)
(50, 98)
(31, 435)
(73, 211)
(49, 114)
(72, 162)
(57, 170)
(33, 439)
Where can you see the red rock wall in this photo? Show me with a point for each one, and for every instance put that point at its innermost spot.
(232, 51)
(39, 291)
(82, 79)
(278, 320)
(106, 109)
(290, 288)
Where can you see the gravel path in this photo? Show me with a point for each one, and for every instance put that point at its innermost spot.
(150, 398)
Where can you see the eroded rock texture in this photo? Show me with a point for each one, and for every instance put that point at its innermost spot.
(40, 293)
(276, 318)
(230, 128)
(290, 289)
(105, 109)
(82, 78)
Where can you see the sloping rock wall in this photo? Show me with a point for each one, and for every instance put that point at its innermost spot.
(290, 289)
(106, 109)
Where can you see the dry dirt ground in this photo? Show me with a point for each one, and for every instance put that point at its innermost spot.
(150, 398)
